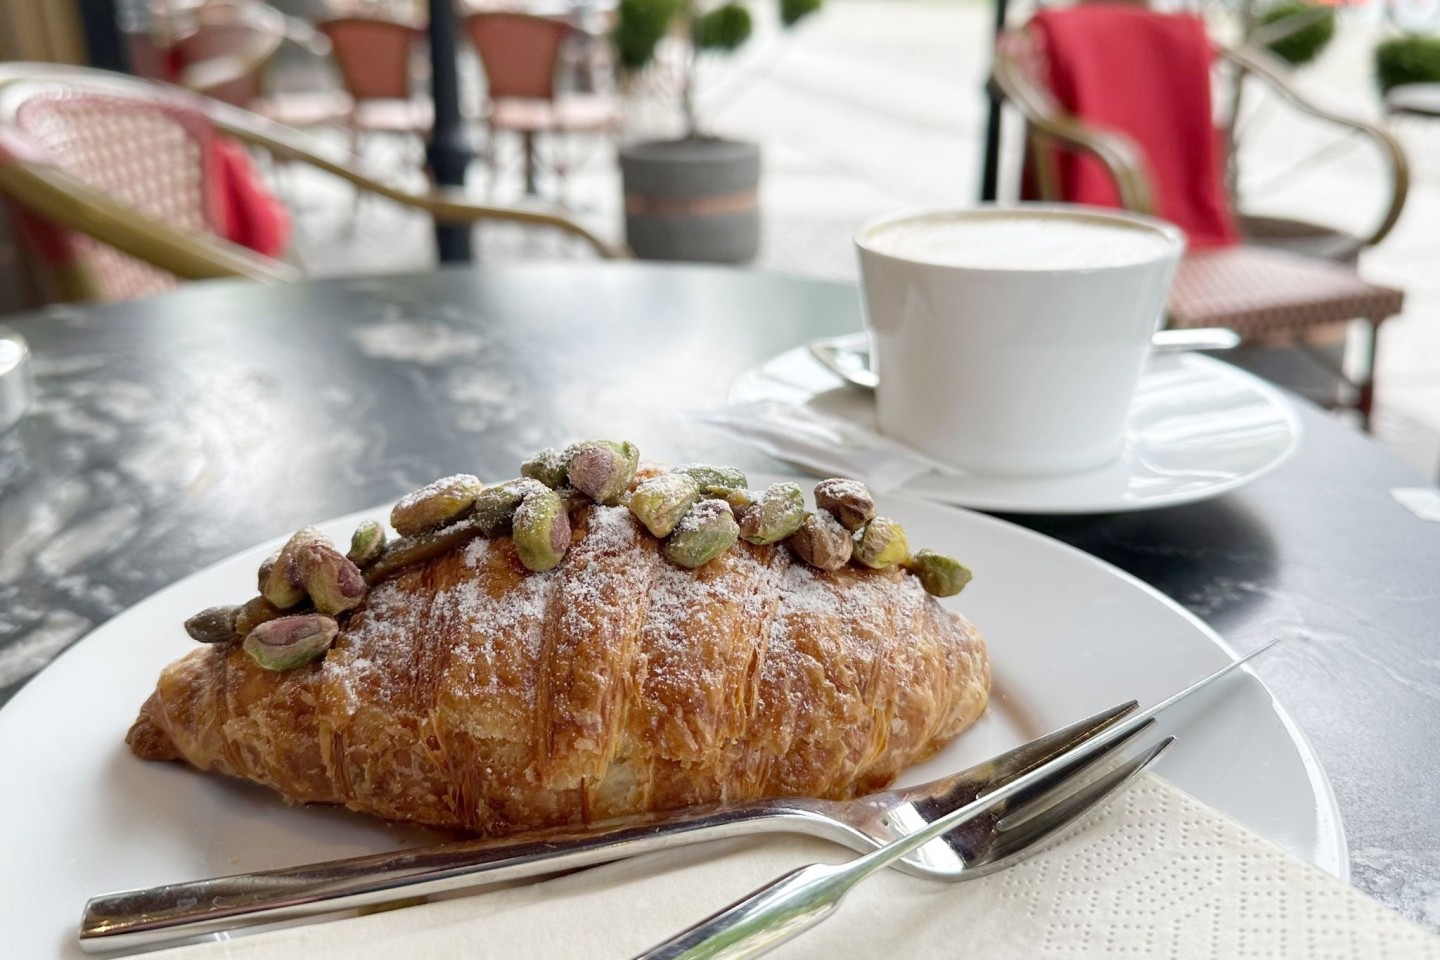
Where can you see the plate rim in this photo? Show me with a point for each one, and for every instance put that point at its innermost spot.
(1033, 507)
(1329, 816)
(1314, 769)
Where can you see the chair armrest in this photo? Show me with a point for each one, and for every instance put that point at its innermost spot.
(1116, 152)
(62, 199)
(446, 206)
(1263, 65)
(206, 76)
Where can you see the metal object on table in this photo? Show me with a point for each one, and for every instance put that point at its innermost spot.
(17, 384)
(785, 908)
(1318, 547)
(848, 356)
(161, 914)
(792, 904)
(142, 918)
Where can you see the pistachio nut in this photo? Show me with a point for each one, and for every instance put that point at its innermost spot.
(549, 466)
(848, 500)
(283, 587)
(574, 499)
(707, 530)
(435, 504)
(541, 531)
(290, 642)
(333, 582)
(267, 565)
(882, 543)
(738, 497)
(661, 501)
(822, 542)
(366, 544)
(941, 576)
(252, 613)
(708, 475)
(603, 469)
(495, 506)
(412, 551)
(213, 625)
(777, 513)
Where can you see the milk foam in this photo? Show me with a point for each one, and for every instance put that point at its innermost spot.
(1019, 242)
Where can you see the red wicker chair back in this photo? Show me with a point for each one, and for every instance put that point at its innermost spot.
(518, 52)
(150, 156)
(373, 56)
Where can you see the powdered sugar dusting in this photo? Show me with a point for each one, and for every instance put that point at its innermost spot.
(612, 531)
(833, 527)
(535, 656)
(703, 514)
(841, 488)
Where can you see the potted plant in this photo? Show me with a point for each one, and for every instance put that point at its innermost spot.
(1407, 59)
(692, 198)
(1296, 31)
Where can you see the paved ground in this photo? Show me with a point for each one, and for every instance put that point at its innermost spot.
(877, 104)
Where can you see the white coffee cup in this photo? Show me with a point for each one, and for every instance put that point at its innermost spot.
(1010, 340)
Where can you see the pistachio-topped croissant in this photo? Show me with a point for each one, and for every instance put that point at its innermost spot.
(542, 656)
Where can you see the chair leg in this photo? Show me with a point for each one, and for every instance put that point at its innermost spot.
(530, 188)
(357, 196)
(1365, 382)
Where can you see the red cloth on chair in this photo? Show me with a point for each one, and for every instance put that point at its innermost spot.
(244, 211)
(1124, 67)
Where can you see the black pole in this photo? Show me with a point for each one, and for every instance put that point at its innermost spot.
(990, 175)
(448, 151)
(100, 21)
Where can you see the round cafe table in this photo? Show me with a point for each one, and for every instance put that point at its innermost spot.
(173, 431)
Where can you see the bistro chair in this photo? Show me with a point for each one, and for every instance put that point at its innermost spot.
(373, 56)
(520, 55)
(126, 187)
(1157, 151)
(224, 49)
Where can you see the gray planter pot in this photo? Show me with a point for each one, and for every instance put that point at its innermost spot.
(692, 199)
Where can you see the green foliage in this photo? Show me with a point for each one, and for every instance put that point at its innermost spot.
(641, 25)
(1413, 58)
(793, 11)
(724, 28)
(1306, 43)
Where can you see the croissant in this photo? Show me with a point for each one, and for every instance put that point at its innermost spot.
(467, 692)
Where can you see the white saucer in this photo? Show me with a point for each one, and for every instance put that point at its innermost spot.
(1198, 428)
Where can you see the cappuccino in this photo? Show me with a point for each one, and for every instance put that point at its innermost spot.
(1009, 340)
(1019, 240)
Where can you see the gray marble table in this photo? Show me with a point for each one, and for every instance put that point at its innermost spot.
(174, 431)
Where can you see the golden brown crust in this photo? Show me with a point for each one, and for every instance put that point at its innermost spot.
(469, 693)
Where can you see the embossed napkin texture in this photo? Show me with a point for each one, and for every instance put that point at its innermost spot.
(1153, 874)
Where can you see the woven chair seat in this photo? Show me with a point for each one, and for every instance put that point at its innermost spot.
(580, 112)
(394, 116)
(1273, 296)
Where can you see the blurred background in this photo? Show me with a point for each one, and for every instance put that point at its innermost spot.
(857, 107)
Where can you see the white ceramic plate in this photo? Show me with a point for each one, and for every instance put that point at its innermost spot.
(1068, 634)
(1197, 428)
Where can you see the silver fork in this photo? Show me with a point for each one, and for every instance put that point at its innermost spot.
(148, 917)
(788, 906)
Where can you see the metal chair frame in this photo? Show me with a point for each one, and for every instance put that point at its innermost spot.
(41, 186)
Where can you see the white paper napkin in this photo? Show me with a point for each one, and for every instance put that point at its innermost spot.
(1154, 874)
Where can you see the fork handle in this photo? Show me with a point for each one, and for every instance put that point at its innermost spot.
(779, 911)
(135, 919)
